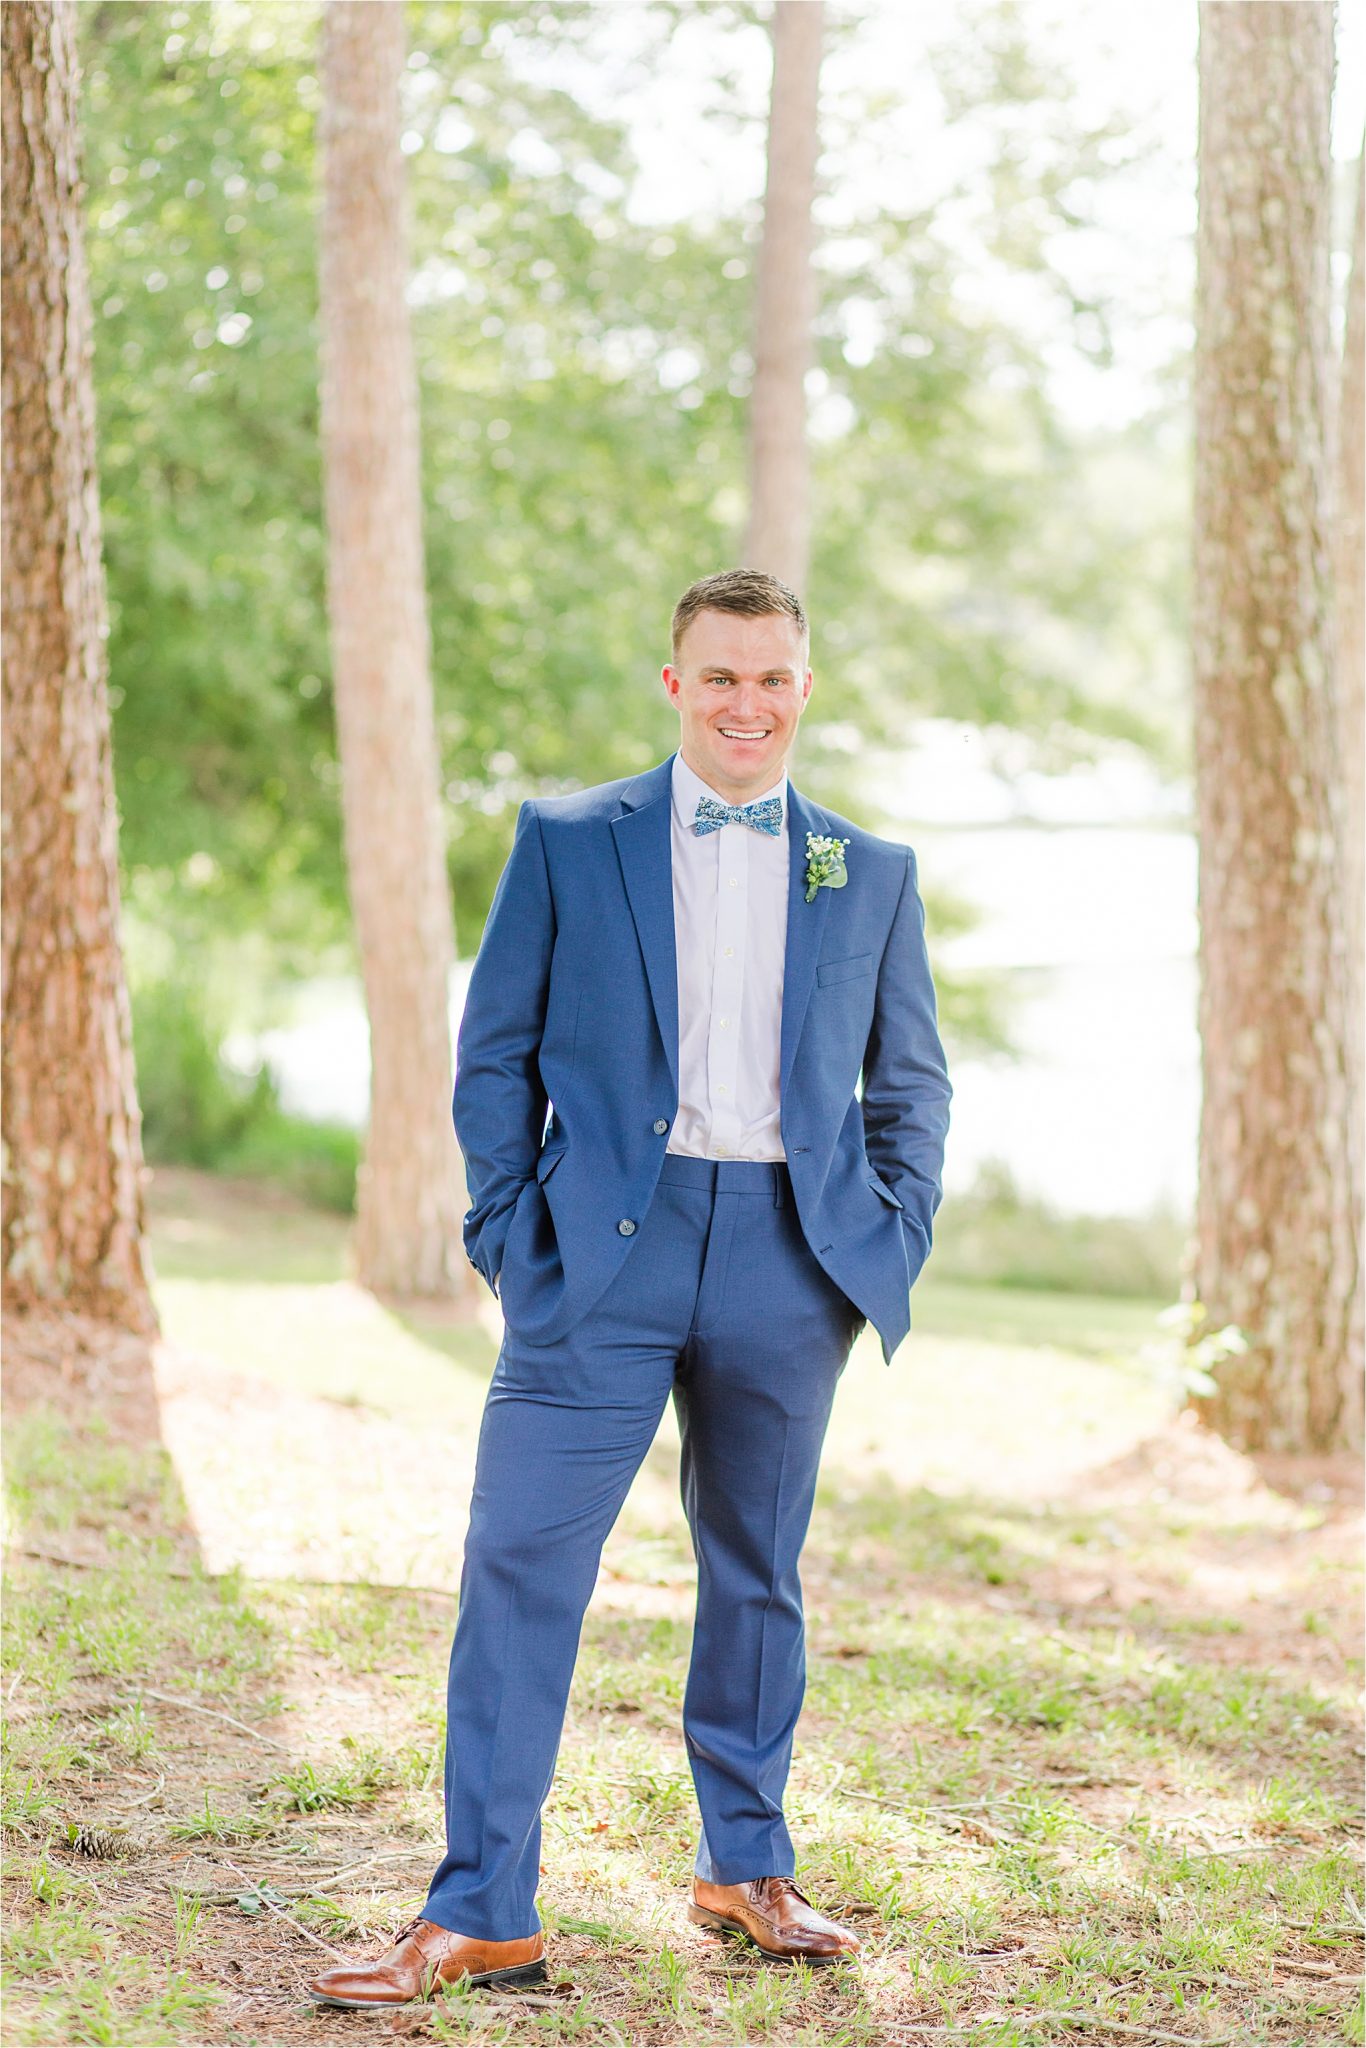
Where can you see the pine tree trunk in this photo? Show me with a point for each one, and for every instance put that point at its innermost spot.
(779, 536)
(1277, 1245)
(408, 1238)
(1350, 599)
(73, 1172)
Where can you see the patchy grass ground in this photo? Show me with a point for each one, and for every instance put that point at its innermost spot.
(1081, 1758)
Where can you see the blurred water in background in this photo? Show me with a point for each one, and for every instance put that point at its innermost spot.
(1085, 885)
(1100, 1113)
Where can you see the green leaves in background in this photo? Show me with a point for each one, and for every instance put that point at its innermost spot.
(584, 378)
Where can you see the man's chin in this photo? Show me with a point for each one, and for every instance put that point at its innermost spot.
(744, 766)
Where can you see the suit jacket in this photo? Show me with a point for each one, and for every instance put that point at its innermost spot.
(573, 1007)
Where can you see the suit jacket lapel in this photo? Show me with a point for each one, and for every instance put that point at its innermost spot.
(644, 843)
(805, 923)
(645, 849)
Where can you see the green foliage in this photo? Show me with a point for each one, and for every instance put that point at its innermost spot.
(213, 1826)
(199, 152)
(356, 1781)
(123, 2003)
(315, 1161)
(194, 1110)
(197, 1112)
(996, 1236)
(584, 378)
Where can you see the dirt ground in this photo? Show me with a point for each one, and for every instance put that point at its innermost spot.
(283, 1487)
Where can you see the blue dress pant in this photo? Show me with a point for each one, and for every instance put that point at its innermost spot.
(722, 1304)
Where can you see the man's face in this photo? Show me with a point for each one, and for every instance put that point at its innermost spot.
(739, 676)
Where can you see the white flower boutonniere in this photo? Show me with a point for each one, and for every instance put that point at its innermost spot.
(824, 863)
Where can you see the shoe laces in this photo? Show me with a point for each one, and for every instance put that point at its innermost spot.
(768, 1890)
(418, 1920)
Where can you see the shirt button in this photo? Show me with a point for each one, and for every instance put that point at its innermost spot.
(732, 881)
(626, 1226)
(729, 951)
(661, 1125)
(722, 1089)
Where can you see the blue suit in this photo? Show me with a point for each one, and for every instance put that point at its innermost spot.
(628, 1275)
(574, 1000)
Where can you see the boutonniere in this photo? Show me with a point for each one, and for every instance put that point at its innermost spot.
(824, 863)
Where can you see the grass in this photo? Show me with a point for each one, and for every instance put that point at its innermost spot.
(1078, 1763)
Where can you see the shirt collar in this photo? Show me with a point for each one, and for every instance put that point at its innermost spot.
(688, 786)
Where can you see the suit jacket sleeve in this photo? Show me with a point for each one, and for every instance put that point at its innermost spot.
(906, 1090)
(499, 1105)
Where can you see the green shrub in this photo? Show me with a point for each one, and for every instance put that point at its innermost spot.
(315, 1161)
(994, 1234)
(194, 1108)
(197, 1112)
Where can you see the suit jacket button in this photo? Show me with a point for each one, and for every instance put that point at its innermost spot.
(626, 1226)
(661, 1125)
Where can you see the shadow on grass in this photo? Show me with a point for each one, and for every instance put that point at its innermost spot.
(927, 1623)
(943, 1687)
(69, 1381)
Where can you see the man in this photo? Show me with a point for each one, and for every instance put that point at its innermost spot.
(689, 968)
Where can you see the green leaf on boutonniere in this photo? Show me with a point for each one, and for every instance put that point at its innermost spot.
(825, 867)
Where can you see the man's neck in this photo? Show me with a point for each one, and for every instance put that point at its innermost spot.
(736, 794)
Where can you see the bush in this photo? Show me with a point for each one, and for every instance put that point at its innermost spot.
(995, 1234)
(197, 1112)
(315, 1161)
(194, 1109)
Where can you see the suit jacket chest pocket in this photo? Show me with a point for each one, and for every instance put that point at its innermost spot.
(850, 968)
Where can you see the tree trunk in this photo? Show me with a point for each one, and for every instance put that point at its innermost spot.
(408, 1238)
(73, 1172)
(1349, 533)
(779, 537)
(1277, 1244)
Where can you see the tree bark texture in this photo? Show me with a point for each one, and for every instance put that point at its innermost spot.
(409, 1197)
(779, 536)
(73, 1217)
(1278, 1244)
(1349, 595)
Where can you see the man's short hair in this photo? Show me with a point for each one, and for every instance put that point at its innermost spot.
(753, 593)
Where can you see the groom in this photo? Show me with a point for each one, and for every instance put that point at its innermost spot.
(689, 968)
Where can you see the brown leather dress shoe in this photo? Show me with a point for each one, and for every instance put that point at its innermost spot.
(777, 1918)
(425, 1956)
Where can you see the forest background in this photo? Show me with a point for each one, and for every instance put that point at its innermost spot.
(1000, 455)
(1081, 1748)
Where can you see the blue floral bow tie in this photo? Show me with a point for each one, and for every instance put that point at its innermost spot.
(711, 815)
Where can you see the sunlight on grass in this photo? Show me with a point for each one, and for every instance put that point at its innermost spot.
(1052, 1767)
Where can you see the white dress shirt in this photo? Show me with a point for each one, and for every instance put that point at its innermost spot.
(730, 934)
